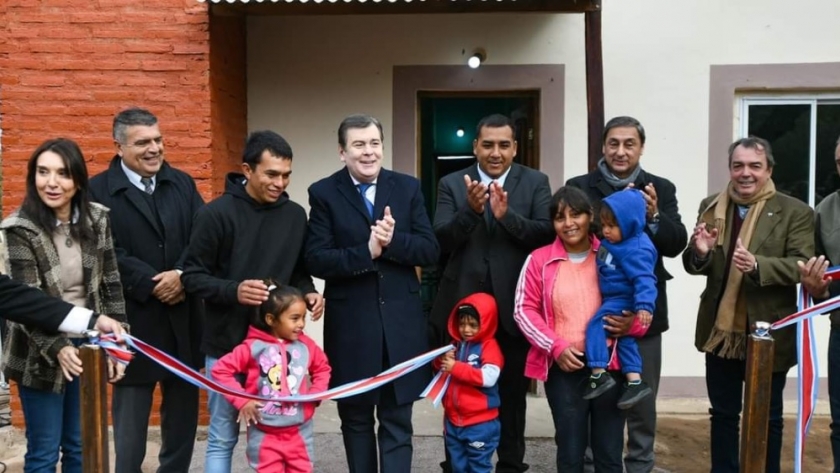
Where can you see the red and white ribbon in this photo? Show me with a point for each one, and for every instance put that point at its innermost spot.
(808, 366)
(191, 376)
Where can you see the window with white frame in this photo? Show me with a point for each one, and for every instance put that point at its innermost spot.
(803, 132)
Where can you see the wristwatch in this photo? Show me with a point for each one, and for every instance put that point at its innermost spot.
(92, 321)
(655, 218)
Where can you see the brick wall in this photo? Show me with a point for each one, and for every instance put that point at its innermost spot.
(228, 95)
(154, 418)
(67, 66)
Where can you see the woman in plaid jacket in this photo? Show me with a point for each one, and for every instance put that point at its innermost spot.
(59, 242)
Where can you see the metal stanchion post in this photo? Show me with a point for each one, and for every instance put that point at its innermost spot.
(94, 399)
(756, 414)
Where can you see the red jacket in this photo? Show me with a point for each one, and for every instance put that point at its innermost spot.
(473, 393)
(275, 368)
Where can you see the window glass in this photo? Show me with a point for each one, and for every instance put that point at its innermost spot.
(828, 130)
(803, 147)
(788, 129)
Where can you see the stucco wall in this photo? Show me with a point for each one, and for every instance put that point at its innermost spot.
(305, 74)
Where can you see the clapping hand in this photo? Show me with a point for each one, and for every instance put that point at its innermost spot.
(651, 200)
(743, 259)
(812, 276)
(498, 200)
(477, 194)
(703, 239)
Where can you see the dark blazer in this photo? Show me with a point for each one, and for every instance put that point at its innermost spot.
(371, 304)
(146, 247)
(27, 305)
(473, 252)
(670, 239)
(784, 234)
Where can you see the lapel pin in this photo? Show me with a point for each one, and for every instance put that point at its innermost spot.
(769, 214)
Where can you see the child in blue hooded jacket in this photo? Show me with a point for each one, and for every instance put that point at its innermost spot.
(626, 262)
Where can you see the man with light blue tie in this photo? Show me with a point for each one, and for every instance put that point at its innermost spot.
(368, 230)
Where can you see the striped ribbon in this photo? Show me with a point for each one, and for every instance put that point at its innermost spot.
(195, 378)
(437, 388)
(808, 366)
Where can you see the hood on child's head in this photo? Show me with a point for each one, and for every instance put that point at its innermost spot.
(630, 211)
(488, 316)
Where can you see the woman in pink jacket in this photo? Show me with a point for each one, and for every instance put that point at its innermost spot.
(556, 296)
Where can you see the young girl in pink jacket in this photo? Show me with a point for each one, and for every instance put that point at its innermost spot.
(277, 360)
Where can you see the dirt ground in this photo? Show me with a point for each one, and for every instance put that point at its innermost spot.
(683, 445)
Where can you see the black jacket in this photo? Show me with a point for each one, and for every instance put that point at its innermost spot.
(480, 260)
(669, 240)
(28, 305)
(235, 238)
(145, 246)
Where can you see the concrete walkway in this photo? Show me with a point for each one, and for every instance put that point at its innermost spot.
(428, 444)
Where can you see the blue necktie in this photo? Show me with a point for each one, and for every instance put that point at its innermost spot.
(363, 187)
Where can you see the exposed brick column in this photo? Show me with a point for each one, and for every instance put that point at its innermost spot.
(228, 95)
(67, 66)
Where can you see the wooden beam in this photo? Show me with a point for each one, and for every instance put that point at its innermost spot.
(385, 7)
(94, 410)
(594, 85)
(758, 381)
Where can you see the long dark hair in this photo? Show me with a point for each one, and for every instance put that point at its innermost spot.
(34, 208)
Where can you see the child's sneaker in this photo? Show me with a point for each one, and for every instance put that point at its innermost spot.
(633, 393)
(598, 385)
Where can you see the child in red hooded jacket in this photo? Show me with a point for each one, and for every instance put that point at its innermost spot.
(277, 360)
(471, 401)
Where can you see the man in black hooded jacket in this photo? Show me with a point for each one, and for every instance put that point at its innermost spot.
(250, 233)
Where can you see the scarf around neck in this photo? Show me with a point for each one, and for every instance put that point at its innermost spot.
(615, 181)
(729, 338)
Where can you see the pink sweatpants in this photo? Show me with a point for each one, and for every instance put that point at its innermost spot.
(282, 450)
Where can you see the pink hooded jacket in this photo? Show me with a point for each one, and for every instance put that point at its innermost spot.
(534, 314)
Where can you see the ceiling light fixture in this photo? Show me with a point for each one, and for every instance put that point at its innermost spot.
(478, 57)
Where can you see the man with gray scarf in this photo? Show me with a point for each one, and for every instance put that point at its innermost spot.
(623, 145)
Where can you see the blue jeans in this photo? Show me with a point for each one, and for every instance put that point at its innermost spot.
(223, 431)
(52, 423)
(725, 385)
(574, 416)
(834, 393)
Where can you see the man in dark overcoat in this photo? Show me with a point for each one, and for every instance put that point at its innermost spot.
(623, 147)
(152, 206)
(368, 230)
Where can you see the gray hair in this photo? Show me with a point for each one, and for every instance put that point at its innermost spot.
(758, 144)
(624, 122)
(131, 117)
